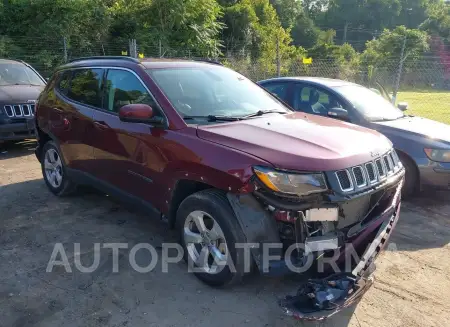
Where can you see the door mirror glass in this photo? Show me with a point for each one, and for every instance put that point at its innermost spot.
(138, 113)
(338, 113)
(402, 106)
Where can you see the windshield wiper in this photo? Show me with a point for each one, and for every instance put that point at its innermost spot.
(263, 112)
(212, 118)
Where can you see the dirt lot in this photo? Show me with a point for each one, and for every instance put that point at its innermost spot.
(412, 279)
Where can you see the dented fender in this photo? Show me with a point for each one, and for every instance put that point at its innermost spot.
(256, 223)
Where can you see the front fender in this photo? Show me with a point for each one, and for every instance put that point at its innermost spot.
(257, 224)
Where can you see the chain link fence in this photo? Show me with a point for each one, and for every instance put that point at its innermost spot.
(423, 82)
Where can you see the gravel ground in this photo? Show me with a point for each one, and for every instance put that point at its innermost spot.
(412, 278)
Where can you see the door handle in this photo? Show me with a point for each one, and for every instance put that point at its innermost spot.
(60, 111)
(101, 125)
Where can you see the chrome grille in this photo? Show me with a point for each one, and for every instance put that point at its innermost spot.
(360, 178)
(380, 168)
(387, 164)
(370, 173)
(9, 111)
(19, 110)
(344, 179)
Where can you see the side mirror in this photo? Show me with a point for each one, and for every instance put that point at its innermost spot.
(139, 113)
(338, 113)
(403, 106)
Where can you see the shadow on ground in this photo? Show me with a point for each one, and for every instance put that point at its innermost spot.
(17, 149)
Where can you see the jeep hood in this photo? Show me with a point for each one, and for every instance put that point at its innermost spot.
(11, 94)
(299, 141)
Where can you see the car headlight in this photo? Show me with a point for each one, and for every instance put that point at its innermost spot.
(438, 155)
(291, 183)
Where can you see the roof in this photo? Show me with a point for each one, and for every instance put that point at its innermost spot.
(129, 62)
(9, 61)
(329, 82)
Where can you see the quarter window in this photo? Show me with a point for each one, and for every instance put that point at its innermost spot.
(63, 84)
(122, 88)
(85, 86)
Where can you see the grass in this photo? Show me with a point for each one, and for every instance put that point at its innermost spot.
(427, 103)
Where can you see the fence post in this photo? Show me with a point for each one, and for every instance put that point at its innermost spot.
(278, 57)
(399, 72)
(160, 49)
(133, 48)
(65, 48)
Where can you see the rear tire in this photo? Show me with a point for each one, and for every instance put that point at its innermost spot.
(411, 183)
(54, 171)
(212, 207)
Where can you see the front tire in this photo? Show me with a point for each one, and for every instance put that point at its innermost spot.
(411, 177)
(209, 232)
(54, 172)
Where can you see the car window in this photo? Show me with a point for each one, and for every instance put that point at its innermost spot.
(64, 82)
(279, 89)
(85, 86)
(122, 88)
(18, 74)
(213, 90)
(314, 100)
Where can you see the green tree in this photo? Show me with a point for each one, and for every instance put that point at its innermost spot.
(288, 11)
(388, 46)
(304, 33)
(438, 20)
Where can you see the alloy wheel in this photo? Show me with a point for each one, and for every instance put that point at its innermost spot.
(53, 168)
(205, 242)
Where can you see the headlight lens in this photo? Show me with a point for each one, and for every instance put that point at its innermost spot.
(438, 155)
(291, 183)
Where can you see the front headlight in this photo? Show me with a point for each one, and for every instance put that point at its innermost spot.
(291, 183)
(438, 155)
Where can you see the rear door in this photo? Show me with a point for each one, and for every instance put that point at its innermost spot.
(127, 155)
(71, 107)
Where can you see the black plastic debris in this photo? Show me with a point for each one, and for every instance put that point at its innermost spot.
(318, 299)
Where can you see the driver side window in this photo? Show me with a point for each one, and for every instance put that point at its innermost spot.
(314, 100)
(123, 87)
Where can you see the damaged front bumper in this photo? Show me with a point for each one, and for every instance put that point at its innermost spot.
(322, 298)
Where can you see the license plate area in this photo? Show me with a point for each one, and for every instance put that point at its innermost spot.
(321, 214)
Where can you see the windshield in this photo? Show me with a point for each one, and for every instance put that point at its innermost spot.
(219, 91)
(18, 74)
(371, 105)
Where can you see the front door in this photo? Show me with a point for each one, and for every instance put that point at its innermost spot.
(128, 155)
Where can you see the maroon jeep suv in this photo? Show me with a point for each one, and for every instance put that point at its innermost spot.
(225, 163)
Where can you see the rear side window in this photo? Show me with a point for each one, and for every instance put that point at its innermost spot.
(85, 86)
(122, 88)
(64, 82)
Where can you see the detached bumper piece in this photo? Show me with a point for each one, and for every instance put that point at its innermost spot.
(322, 298)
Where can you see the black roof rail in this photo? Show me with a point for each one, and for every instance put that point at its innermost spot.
(106, 58)
(210, 61)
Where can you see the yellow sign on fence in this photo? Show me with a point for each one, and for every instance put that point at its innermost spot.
(124, 53)
(307, 61)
